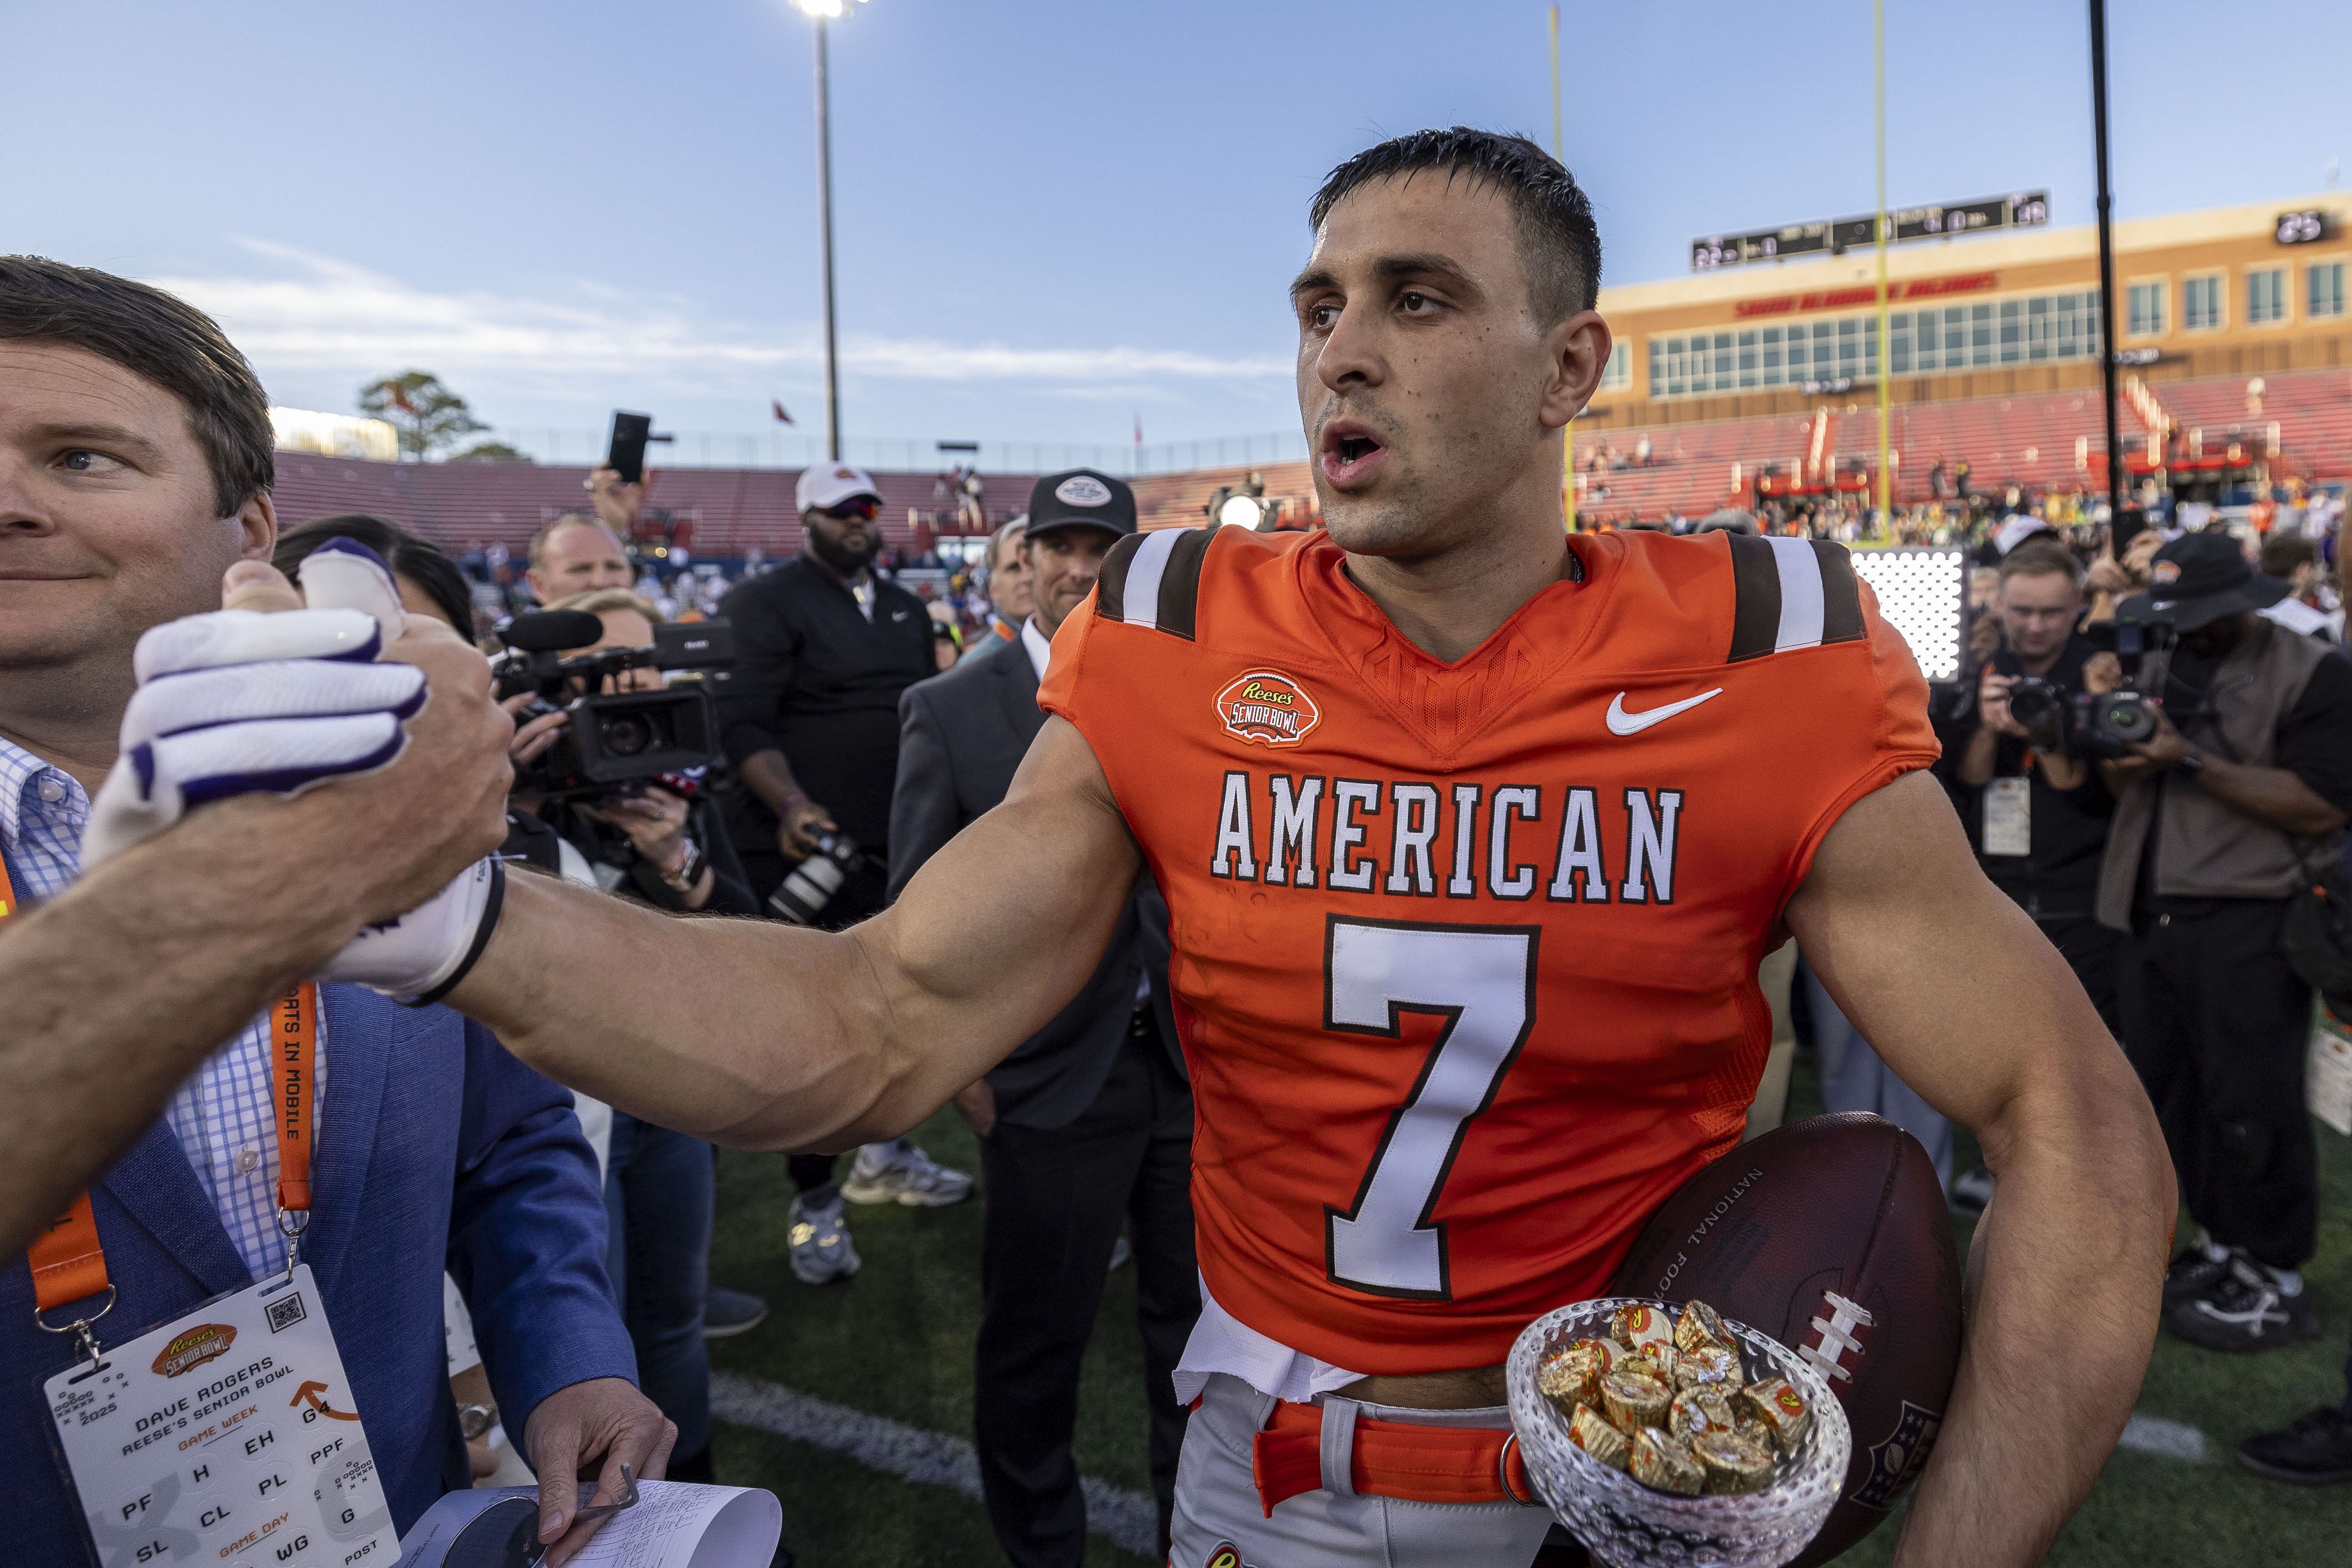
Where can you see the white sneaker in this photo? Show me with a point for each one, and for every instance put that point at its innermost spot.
(903, 1173)
(822, 1250)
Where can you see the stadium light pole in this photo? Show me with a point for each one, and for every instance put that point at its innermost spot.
(1567, 436)
(1886, 355)
(820, 12)
(2107, 259)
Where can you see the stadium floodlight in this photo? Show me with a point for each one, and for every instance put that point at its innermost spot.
(824, 11)
(1241, 511)
(1923, 595)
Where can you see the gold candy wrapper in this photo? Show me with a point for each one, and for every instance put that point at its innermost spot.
(1635, 1326)
(1633, 1400)
(1699, 1413)
(1664, 1462)
(1779, 1407)
(1657, 1358)
(1717, 1369)
(1732, 1463)
(1700, 1327)
(1590, 1431)
(1571, 1375)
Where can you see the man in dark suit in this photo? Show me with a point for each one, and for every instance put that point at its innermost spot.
(1090, 1122)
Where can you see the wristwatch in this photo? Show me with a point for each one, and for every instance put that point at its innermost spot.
(475, 1420)
(2194, 763)
(682, 879)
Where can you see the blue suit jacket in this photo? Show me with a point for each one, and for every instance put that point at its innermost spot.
(437, 1149)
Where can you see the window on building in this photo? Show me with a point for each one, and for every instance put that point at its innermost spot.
(1618, 373)
(2200, 304)
(2265, 295)
(2145, 315)
(2324, 290)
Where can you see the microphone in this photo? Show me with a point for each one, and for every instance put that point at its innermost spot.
(551, 631)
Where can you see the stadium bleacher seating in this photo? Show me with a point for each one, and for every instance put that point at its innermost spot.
(457, 504)
(2027, 440)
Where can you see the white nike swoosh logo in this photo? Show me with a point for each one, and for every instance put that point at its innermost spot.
(1623, 723)
(901, 615)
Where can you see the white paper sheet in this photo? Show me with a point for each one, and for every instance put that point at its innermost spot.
(673, 1525)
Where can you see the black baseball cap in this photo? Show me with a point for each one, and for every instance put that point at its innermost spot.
(1081, 498)
(2199, 578)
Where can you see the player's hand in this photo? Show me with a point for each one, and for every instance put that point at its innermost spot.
(604, 1423)
(2139, 556)
(616, 502)
(799, 826)
(2164, 748)
(1992, 704)
(2106, 574)
(1984, 636)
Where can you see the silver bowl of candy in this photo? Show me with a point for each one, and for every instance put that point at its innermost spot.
(1673, 1436)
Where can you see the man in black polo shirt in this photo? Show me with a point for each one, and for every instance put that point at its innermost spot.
(824, 647)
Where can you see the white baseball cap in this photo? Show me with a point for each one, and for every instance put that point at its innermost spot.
(829, 484)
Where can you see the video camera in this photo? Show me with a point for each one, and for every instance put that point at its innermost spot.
(616, 742)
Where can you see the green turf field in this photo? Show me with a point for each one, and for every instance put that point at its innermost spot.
(896, 1342)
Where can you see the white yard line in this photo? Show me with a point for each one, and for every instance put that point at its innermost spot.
(1127, 1519)
(2171, 1439)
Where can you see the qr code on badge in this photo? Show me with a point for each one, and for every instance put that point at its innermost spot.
(284, 1314)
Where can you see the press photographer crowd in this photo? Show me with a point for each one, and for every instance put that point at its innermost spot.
(286, 868)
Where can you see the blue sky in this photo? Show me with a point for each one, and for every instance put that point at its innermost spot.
(1050, 216)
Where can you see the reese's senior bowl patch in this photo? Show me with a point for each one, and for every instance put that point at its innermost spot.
(1268, 707)
(194, 1348)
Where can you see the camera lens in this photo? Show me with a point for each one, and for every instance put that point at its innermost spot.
(2129, 720)
(625, 735)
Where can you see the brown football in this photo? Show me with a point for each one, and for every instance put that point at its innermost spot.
(1832, 1237)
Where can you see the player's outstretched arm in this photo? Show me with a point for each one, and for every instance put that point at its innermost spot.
(765, 1035)
(1974, 1009)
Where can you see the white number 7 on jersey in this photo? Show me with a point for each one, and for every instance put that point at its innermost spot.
(1481, 980)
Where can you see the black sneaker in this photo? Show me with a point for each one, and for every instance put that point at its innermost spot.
(726, 1313)
(2316, 1451)
(2193, 1273)
(2245, 1311)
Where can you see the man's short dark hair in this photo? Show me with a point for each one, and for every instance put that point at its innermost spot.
(1557, 239)
(418, 560)
(162, 339)
(2282, 552)
(2041, 557)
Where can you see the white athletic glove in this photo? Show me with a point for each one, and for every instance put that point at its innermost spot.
(238, 702)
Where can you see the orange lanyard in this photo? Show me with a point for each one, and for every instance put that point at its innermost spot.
(68, 1262)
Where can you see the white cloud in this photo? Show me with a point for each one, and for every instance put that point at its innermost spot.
(320, 312)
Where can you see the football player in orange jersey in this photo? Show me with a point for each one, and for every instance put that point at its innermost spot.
(1473, 834)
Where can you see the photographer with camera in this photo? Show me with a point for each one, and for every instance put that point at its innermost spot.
(2244, 769)
(811, 722)
(608, 791)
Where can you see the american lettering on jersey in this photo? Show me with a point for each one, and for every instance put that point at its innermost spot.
(1465, 954)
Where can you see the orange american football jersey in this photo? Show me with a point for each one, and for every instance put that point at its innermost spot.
(1465, 954)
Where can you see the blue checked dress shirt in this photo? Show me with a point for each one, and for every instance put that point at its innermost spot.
(220, 1116)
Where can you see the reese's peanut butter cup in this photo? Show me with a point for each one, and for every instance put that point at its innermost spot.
(1636, 1325)
(1590, 1431)
(1732, 1463)
(1664, 1462)
(1633, 1400)
(1571, 1375)
(1781, 1409)
(1699, 1327)
(1699, 1412)
(1717, 1369)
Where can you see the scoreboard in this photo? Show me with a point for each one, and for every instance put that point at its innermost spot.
(1834, 235)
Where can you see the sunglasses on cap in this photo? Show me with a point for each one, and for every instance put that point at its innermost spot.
(857, 508)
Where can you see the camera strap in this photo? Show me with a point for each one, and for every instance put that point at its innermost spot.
(67, 1259)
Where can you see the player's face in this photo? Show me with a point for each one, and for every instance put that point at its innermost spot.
(107, 518)
(1426, 384)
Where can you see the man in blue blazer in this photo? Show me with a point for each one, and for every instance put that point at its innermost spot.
(134, 469)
